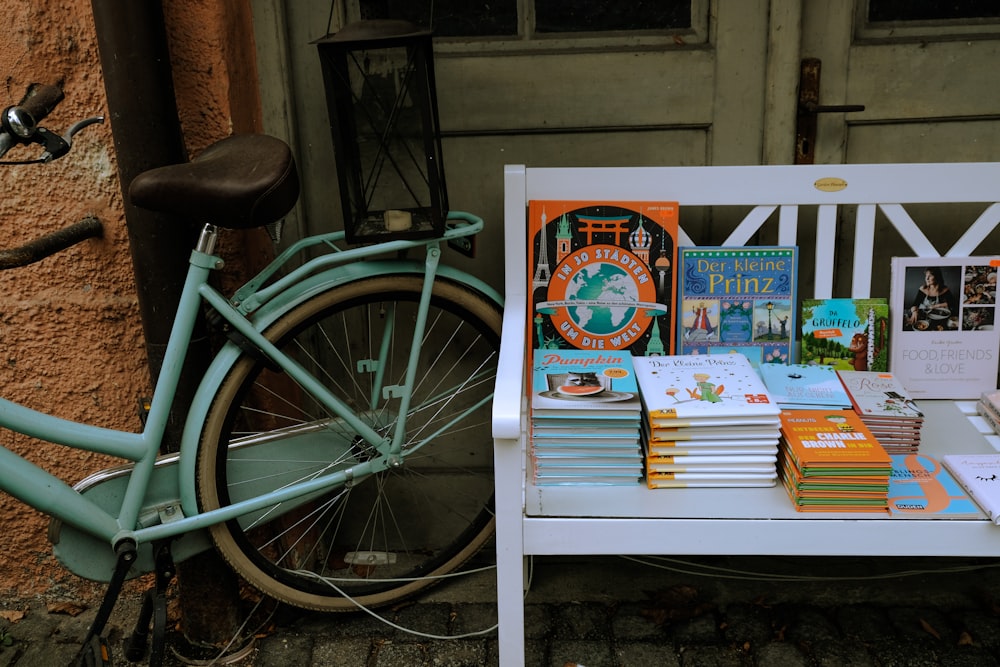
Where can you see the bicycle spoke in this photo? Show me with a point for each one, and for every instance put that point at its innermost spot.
(386, 534)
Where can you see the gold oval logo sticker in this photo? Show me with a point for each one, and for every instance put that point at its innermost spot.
(830, 184)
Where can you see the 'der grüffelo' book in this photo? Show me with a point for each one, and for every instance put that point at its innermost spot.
(738, 299)
(845, 333)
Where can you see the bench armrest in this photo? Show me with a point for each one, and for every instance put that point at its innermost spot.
(507, 397)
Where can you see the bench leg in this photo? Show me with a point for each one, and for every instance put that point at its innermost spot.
(510, 553)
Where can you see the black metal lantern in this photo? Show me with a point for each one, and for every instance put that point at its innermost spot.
(379, 81)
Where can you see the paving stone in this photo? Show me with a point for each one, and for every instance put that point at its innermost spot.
(864, 623)
(351, 652)
(839, 653)
(287, 650)
(591, 653)
(396, 653)
(809, 625)
(982, 628)
(582, 621)
(780, 653)
(636, 653)
(923, 627)
(699, 630)
(538, 621)
(747, 623)
(711, 656)
(628, 623)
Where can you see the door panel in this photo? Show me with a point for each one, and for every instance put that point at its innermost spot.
(931, 91)
(725, 92)
(688, 98)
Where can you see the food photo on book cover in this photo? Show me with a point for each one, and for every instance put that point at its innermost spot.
(945, 343)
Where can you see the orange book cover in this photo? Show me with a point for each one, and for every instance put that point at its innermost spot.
(832, 442)
(600, 275)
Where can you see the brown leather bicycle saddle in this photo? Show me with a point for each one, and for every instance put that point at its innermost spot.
(240, 182)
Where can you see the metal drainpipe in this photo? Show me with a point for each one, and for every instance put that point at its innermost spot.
(143, 111)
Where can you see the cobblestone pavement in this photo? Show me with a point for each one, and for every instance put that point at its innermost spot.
(604, 612)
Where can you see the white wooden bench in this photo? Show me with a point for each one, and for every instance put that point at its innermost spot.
(846, 218)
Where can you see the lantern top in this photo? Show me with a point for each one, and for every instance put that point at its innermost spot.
(372, 30)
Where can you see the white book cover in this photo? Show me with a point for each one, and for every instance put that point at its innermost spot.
(765, 432)
(979, 474)
(715, 422)
(879, 395)
(944, 332)
(736, 450)
(705, 385)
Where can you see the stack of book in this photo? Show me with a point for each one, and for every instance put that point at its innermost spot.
(988, 407)
(585, 418)
(805, 386)
(830, 462)
(886, 408)
(708, 422)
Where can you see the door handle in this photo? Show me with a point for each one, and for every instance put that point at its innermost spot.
(809, 107)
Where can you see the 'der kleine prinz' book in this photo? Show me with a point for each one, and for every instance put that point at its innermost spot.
(738, 299)
(601, 275)
(690, 388)
(847, 334)
(945, 335)
(712, 399)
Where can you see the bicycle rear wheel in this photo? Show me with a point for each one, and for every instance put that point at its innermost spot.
(382, 537)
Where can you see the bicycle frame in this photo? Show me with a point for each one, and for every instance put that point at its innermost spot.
(249, 312)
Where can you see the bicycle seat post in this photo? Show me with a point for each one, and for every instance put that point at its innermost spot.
(207, 239)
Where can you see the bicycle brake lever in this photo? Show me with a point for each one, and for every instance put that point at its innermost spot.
(56, 146)
(79, 125)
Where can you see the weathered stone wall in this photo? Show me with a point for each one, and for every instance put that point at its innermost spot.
(70, 333)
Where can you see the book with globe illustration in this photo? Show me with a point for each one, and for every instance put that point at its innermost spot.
(738, 299)
(601, 275)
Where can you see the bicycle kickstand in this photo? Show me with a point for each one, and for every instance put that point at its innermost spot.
(154, 608)
(95, 651)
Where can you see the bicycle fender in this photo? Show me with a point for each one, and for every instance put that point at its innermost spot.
(266, 315)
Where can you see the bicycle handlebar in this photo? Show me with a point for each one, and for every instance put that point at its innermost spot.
(19, 124)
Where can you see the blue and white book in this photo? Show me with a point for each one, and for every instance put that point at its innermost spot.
(805, 386)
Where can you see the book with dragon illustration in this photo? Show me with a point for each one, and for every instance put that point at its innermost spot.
(600, 275)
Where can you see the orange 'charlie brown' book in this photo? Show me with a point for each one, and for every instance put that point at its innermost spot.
(832, 443)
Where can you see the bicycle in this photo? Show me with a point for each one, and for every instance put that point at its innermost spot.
(337, 451)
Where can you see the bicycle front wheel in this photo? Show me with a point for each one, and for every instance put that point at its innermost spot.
(382, 537)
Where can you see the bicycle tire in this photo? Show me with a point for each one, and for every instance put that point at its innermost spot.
(430, 515)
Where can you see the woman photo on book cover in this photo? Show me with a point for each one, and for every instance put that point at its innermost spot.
(934, 306)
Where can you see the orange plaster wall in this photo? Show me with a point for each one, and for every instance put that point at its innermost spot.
(71, 342)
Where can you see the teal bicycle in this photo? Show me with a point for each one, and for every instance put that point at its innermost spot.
(338, 450)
